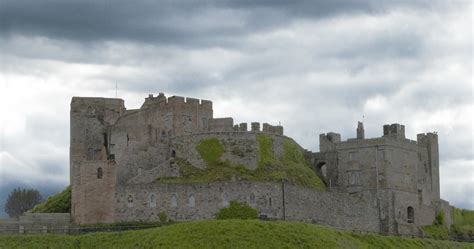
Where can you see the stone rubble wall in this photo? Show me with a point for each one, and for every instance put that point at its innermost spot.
(32, 223)
(302, 204)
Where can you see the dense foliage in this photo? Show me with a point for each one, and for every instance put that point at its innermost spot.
(60, 203)
(237, 210)
(21, 200)
(291, 166)
(463, 223)
(226, 234)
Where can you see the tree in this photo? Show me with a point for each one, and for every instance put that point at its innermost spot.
(21, 200)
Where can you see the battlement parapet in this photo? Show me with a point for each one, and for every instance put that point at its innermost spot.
(162, 100)
(221, 124)
(394, 130)
(424, 139)
(255, 126)
(277, 129)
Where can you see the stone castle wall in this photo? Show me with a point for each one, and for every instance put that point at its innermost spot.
(117, 155)
(202, 201)
(36, 223)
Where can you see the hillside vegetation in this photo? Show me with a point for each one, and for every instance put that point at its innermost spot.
(60, 203)
(225, 234)
(291, 166)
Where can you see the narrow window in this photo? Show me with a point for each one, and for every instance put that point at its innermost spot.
(130, 201)
(381, 155)
(410, 215)
(152, 200)
(252, 199)
(270, 201)
(163, 134)
(100, 173)
(173, 153)
(128, 139)
(192, 200)
(174, 200)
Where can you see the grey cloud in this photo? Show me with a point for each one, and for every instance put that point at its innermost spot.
(189, 23)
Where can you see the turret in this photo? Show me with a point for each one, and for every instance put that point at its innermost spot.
(360, 130)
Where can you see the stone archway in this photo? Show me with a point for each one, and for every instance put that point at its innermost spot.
(321, 171)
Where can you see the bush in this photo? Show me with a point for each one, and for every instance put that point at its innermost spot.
(439, 220)
(163, 217)
(436, 232)
(237, 210)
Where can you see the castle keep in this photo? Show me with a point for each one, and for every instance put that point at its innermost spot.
(132, 165)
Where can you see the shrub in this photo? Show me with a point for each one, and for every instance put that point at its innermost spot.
(210, 150)
(439, 220)
(237, 210)
(163, 217)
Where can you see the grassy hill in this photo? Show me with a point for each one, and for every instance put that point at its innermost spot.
(225, 234)
(290, 165)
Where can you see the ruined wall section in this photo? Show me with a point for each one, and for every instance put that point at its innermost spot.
(92, 170)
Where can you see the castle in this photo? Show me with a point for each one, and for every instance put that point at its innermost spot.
(128, 165)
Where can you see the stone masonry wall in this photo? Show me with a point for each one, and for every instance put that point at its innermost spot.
(36, 223)
(203, 201)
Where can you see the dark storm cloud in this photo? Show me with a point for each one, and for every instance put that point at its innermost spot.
(187, 23)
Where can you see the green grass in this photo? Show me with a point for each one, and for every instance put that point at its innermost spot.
(436, 232)
(291, 166)
(60, 203)
(225, 234)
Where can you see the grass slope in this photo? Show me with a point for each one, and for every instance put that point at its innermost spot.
(225, 234)
(60, 203)
(291, 165)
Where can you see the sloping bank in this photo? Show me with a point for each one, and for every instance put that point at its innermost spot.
(226, 234)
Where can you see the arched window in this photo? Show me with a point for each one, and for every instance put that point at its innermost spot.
(130, 201)
(225, 200)
(410, 215)
(252, 199)
(173, 153)
(100, 173)
(192, 200)
(174, 200)
(152, 200)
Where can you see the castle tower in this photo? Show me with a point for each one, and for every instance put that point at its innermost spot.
(92, 166)
(360, 130)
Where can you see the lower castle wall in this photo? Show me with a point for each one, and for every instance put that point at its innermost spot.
(337, 210)
(36, 223)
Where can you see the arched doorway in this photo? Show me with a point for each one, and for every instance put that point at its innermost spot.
(322, 171)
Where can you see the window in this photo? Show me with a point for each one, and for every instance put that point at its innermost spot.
(130, 201)
(100, 173)
(352, 156)
(270, 201)
(381, 154)
(353, 178)
(152, 200)
(173, 153)
(225, 200)
(410, 215)
(174, 200)
(192, 201)
(252, 199)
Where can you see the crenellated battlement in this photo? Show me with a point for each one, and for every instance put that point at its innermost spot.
(162, 100)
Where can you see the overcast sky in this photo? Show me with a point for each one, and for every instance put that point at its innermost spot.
(314, 66)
